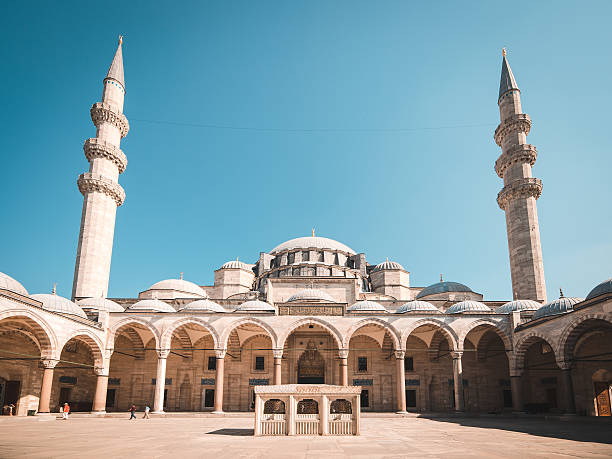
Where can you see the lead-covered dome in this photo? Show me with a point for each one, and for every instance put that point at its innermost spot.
(600, 289)
(416, 306)
(8, 283)
(205, 305)
(468, 306)
(366, 305)
(56, 303)
(236, 264)
(100, 304)
(311, 295)
(387, 265)
(180, 285)
(444, 287)
(151, 305)
(556, 307)
(312, 242)
(255, 306)
(518, 305)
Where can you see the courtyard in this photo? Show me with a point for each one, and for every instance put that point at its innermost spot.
(231, 437)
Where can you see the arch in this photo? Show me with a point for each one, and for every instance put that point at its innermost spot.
(168, 332)
(254, 337)
(112, 333)
(44, 334)
(333, 331)
(448, 332)
(486, 322)
(92, 340)
(373, 321)
(571, 333)
(223, 340)
(523, 344)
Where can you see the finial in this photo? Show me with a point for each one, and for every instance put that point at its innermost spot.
(54, 287)
(237, 259)
(313, 233)
(120, 39)
(181, 275)
(387, 259)
(441, 279)
(504, 52)
(561, 293)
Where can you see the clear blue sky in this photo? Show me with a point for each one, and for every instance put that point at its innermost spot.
(373, 123)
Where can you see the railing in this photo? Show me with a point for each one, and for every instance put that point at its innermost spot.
(307, 424)
(274, 424)
(340, 424)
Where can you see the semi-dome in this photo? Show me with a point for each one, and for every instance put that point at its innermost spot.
(444, 287)
(311, 294)
(388, 265)
(556, 307)
(600, 289)
(255, 305)
(8, 283)
(56, 303)
(518, 305)
(468, 306)
(180, 285)
(417, 305)
(151, 305)
(310, 242)
(100, 304)
(205, 305)
(366, 305)
(236, 264)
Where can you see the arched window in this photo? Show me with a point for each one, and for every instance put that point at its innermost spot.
(274, 406)
(308, 406)
(341, 406)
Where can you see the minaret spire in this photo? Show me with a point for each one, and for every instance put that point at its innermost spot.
(520, 192)
(101, 191)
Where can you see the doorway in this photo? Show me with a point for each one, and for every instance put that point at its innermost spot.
(11, 394)
(208, 398)
(111, 395)
(64, 396)
(602, 397)
(311, 366)
(411, 398)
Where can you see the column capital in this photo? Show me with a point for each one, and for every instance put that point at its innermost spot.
(565, 365)
(399, 353)
(49, 363)
(163, 353)
(456, 355)
(343, 353)
(220, 353)
(278, 353)
(101, 371)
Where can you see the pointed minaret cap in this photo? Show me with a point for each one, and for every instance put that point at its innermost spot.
(115, 70)
(507, 82)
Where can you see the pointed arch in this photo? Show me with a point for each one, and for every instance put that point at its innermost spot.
(91, 340)
(168, 332)
(393, 333)
(112, 334)
(448, 332)
(569, 337)
(523, 344)
(333, 331)
(223, 339)
(47, 339)
(503, 335)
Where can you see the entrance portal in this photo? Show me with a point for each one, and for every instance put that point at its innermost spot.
(311, 366)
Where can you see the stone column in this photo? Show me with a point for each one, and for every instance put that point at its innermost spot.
(278, 358)
(291, 416)
(401, 380)
(160, 382)
(324, 415)
(343, 355)
(356, 414)
(99, 402)
(568, 387)
(458, 380)
(47, 384)
(258, 416)
(220, 354)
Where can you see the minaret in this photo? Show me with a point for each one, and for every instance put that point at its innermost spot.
(518, 196)
(101, 191)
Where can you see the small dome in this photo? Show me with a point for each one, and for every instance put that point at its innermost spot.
(56, 303)
(180, 285)
(604, 287)
(366, 305)
(255, 305)
(202, 305)
(100, 304)
(8, 283)
(311, 294)
(236, 264)
(312, 242)
(387, 265)
(467, 306)
(153, 305)
(518, 305)
(558, 306)
(417, 305)
(443, 287)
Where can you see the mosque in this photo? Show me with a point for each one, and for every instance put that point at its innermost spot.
(310, 310)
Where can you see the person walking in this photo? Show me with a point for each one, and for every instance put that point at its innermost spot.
(66, 411)
(146, 414)
(133, 412)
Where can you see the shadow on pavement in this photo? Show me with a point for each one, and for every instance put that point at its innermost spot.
(233, 432)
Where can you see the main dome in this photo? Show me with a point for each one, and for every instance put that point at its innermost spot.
(312, 242)
(444, 287)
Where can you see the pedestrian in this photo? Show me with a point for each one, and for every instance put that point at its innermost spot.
(11, 409)
(146, 415)
(65, 411)
(133, 412)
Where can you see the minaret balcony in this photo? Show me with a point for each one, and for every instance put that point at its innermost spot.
(99, 148)
(516, 123)
(519, 189)
(105, 113)
(92, 183)
(525, 153)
